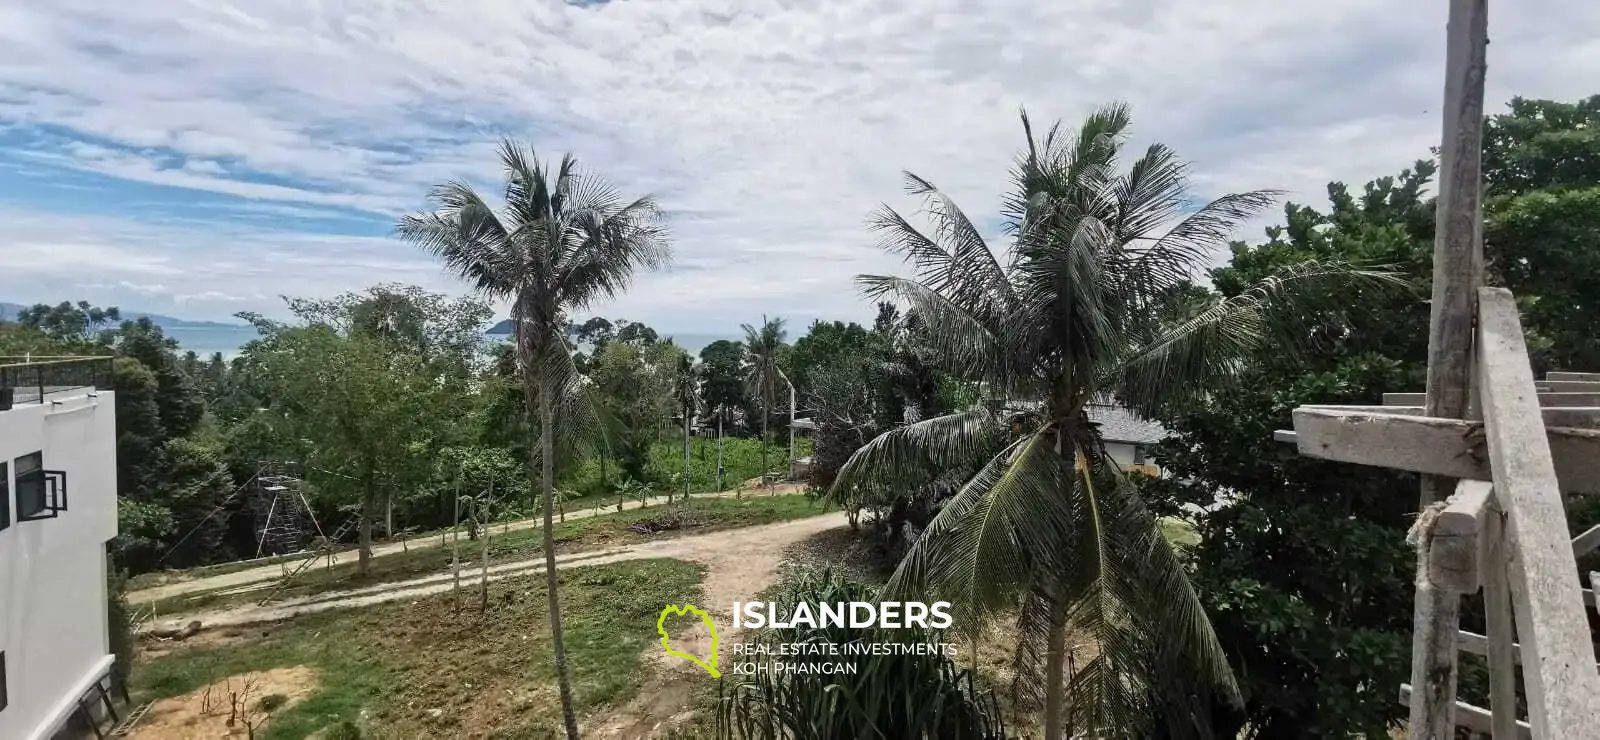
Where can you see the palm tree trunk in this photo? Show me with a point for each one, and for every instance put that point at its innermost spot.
(1055, 663)
(1055, 655)
(547, 478)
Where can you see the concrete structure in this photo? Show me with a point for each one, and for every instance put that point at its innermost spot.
(58, 508)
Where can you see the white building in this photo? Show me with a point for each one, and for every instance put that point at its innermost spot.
(1128, 437)
(58, 508)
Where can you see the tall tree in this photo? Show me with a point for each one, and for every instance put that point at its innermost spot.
(1542, 222)
(1319, 641)
(357, 411)
(562, 241)
(1084, 310)
(722, 375)
(763, 376)
(79, 323)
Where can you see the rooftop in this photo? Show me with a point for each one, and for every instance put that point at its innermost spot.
(1118, 424)
(36, 378)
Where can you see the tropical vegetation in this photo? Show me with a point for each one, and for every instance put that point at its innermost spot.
(953, 427)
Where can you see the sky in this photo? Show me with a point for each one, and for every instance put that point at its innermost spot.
(200, 158)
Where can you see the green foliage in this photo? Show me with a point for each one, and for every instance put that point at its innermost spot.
(72, 323)
(119, 626)
(363, 418)
(825, 344)
(635, 388)
(1322, 635)
(741, 459)
(1093, 300)
(890, 696)
(1542, 225)
(722, 385)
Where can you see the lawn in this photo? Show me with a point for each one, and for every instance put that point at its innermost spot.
(606, 530)
(418, 669)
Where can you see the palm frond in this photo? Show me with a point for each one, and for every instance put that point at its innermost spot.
(610, 249)
(965, 343)
(464, 232)
(988, 541)
(1182, 359)
(1155, 651)
(1189, 247)
(953, 441)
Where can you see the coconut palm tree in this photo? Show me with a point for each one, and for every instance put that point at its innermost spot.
(1093, 301)
(562, 240)
(763, 378)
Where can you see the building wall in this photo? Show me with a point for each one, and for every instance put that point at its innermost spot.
(53, 571)
(1125, 455)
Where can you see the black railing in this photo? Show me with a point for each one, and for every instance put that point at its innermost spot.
(35, 379)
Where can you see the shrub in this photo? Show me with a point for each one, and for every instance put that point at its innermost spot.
(890, 696)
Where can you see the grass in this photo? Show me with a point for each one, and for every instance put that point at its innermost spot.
(391, 667)
(164, 577)
(741, 459)
(1179, 532)
(605, 530)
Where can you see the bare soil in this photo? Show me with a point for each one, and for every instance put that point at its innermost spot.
(227, 708)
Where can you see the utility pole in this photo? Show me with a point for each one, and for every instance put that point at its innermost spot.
(791, 422)
(687, 412)
(720, 471)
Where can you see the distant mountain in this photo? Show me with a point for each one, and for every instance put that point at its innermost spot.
(9, 311)
(503, 327)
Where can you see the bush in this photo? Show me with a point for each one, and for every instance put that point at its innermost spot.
(741, 457)
(119, 625)
(898, 696)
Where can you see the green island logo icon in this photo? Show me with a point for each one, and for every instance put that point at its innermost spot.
(666, 642)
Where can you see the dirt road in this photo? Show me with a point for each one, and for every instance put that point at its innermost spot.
(280, 569)
(737, 560)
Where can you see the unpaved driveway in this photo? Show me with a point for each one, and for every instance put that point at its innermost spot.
(740, 562)
(280, 569)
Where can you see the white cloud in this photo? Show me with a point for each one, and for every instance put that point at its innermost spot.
(771, 127)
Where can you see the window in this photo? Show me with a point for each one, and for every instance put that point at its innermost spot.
(1138, 454)
(5, 495)
(41, 494)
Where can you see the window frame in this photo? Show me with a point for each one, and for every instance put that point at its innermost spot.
(51, 489)
(1138, 454)
(5, 688)
(5, 494)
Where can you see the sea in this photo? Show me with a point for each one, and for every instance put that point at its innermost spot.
(206, 339)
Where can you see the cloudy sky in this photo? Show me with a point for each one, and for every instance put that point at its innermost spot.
(203, 157)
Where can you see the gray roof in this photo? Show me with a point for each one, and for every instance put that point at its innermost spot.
(1118, 424)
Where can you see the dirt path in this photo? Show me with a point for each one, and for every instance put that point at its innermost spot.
(735, 571)
(739, 563)
(280, 569)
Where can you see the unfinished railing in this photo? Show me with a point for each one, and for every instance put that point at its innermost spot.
(1496, 451)
(1504, 530)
